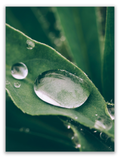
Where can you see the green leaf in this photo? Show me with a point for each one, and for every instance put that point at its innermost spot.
(108, 57)
(80, 28)
(88, 141)
(49, 125)
(38, 23)
(17, 140)
(22, 18)
(47, 19)
(39, 59)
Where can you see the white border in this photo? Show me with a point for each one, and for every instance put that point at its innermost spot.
(69, 155)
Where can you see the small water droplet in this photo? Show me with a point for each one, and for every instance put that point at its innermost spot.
(110, 109)
(103, 122)
(76, 117)
(78, 146)
(96, 114)
(103, 136)
(19, 70)
(17, 85)
(76, 141)
(30, 44)
(81, 129)
(95, 131)
(7, 82)
(61, 88)
(68, 126)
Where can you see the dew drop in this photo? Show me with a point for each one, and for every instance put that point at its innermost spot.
(103, 136)
(61, 88)
(96, 114)
(76, 141)
(103, 122)
(110, 109)
(78, 146)
(76, 117)
(95, 131)
(30, 44)
(68, 126)
(19, 70)
(17, 85)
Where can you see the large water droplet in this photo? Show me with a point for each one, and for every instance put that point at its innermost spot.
(61, 88)
(110, 109)
(103, 122)
(30, 44)
(19, 70)
(17, 85)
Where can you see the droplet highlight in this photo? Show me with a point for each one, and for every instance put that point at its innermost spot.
(76, 141)
(17, 85)
(19, 70)
(61, 88)
(110, 109)
(68, 126)
(78, 146)
(30, 44)
(103, 122)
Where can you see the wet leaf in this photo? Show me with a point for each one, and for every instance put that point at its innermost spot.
(39, 59)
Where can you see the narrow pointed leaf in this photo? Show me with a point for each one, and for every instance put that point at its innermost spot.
(108, 57)
(39, 59)
(80, 28)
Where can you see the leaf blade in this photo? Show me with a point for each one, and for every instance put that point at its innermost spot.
(80, 28)
(108, 57)
(43, 58)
